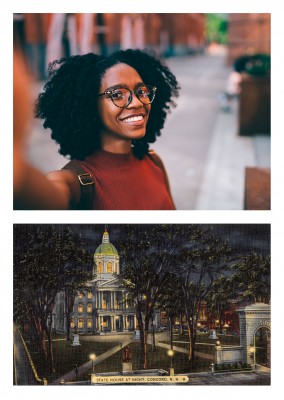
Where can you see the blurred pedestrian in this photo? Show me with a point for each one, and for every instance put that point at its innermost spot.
(104, 112)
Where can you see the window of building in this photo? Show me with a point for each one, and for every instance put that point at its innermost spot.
(89, 322)
(80, 323)
(109, 267)
(80, 308)
(90, 295)
(80, 295)
(89, 307)
(100, 268)
(72, 323)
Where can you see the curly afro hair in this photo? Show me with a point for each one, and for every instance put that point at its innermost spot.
(69, 103)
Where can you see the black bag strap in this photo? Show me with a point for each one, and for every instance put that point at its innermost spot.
(87, 185)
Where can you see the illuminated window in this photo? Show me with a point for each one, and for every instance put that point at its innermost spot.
(90, 295)
(80, 323)
(109, 267)
(80, 308)
(72, 323)
(80, 295)
(89, 307)
(100, 268)
(89, 322)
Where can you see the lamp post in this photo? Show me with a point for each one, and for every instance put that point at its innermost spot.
(171, 354)
(92, 357)
(218, 355)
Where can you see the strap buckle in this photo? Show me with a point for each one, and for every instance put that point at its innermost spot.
(84, 179)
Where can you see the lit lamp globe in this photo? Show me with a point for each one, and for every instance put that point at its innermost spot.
(170, 353)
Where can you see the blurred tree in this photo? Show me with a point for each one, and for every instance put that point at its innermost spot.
(216, 28)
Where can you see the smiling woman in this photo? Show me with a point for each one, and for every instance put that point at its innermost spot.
(104, 112)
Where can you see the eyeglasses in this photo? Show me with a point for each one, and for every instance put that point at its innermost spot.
(122, 96)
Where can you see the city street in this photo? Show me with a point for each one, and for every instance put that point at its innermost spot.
(203, 154)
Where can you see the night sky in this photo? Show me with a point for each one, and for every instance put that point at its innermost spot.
(243, 238)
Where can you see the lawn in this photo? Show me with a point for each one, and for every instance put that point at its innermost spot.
(66, 356)
(157, 359)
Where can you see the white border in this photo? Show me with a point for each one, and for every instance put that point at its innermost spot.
(8, 217)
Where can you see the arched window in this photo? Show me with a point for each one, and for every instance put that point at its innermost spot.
(100, 268)
(89, 307)
(89, 322)
(80, 323)
(80, 308)
(109, 267)
(90, 295)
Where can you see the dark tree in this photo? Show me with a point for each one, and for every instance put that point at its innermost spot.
(252, 277)
(42, 261)
(218, 300)
(149, 255)
(204, 258)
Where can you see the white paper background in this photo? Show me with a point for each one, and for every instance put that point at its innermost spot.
(9, 217)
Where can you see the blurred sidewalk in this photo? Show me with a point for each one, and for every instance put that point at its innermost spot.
(203, 154)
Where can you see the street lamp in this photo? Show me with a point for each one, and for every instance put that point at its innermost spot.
(171, 354)
(92, 357)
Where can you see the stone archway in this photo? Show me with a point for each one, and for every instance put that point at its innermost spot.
(253, 319)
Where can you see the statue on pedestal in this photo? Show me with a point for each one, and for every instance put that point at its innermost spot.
(127, 355)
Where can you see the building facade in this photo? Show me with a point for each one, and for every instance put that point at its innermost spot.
(105, 306)
(248, 34)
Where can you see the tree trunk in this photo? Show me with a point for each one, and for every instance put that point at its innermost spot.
(50, 350)
(181, 325)
(146, 331)
(190, 339)
(69, 303)
(153, 334)
(171, 332)
(142, 338)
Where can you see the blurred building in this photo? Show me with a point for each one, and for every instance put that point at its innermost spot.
(46, 37)
(248, 34)
(167, 34)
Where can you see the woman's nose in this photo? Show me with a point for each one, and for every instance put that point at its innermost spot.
(135, 102)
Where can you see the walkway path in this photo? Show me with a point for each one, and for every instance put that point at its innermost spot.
(23, 373)
(185, 351)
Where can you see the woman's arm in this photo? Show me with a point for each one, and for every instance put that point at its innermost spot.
(59, 190)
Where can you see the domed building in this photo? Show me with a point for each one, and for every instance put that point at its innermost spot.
(105, 306)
